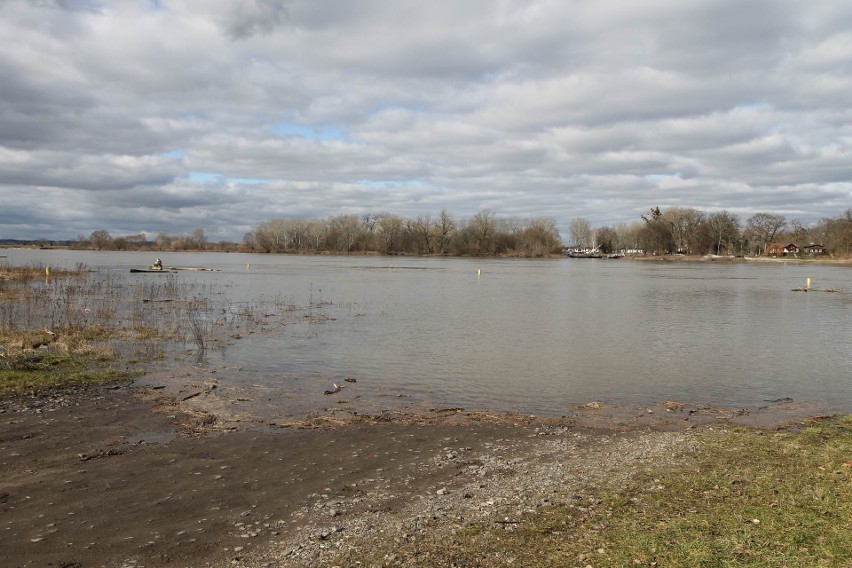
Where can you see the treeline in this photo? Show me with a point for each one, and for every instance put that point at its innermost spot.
(482, 235)
(673, 230)
(691, 231)
(195, 241)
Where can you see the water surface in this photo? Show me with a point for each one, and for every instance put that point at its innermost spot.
(537, 336)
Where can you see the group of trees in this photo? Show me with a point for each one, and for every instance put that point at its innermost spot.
(674, 230)
(482, 235)
(196, 240)
(691, 231)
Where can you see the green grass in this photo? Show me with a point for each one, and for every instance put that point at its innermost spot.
(745, 498)
(43, 373)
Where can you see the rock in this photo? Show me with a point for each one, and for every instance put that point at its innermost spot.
(441, 491)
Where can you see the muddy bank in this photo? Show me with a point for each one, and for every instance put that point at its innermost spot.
(199, 390)
(144, 477)
(112, 478)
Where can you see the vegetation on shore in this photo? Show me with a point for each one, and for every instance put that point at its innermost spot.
(29, 273)
(745, 498)
(63, 328)
(59, 330)
(44, 373)
(38, 361)
(679, 230)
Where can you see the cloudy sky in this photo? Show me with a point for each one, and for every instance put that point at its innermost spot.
(167, 115)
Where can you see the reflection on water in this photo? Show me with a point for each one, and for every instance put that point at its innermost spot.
(535, 336)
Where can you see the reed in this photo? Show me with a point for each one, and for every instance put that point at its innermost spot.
(102, 316)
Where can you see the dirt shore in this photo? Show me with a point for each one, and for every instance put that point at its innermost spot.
(135, 477)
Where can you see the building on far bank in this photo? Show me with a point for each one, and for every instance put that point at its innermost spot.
(781, 249)
(814, 249)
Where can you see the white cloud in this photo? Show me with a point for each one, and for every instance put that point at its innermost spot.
(185, 112)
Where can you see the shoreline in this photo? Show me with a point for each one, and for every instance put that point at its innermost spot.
(198, 391)
(706, 258)
(128, 476)
(737, 260)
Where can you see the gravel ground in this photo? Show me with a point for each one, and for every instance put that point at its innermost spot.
(144, 478)
(499, 484)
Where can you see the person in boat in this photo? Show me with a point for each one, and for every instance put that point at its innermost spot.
(158, 264)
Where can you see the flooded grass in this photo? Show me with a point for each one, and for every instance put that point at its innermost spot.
(38, 271)
(52, 321)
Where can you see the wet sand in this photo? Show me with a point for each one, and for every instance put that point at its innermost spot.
(150, 476)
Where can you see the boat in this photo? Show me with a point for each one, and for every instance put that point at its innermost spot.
(583, 254)
(577, 252)
(152, 270)
(192, 268)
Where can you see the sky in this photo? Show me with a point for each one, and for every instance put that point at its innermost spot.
(168, 115)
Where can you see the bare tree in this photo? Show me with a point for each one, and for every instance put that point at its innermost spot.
(762, 228)
(482, 228)
(724, 230)
(627, 235)
(581, 233)
(389, 229)
(683, 223)
(101, 239)
(656, 234)
(422, 232)
(444, 232)
(539, 236)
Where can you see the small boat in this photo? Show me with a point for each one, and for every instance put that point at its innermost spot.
(151, 270)
(192, 268)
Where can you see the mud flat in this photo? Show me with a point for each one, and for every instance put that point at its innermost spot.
(143, 476)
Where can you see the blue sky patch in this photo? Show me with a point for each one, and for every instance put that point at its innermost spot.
(204, 177)
(288, 129)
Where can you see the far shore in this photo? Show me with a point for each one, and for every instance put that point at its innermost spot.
(739, 259)
(692, 258)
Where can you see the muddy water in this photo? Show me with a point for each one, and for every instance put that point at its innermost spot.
(532, 336)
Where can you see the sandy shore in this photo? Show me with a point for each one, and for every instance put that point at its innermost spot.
(138, 477)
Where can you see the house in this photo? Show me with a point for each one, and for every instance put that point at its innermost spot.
(781, 249)
(814, 249)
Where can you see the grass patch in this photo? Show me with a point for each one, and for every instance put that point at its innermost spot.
(40, 373)
(35, 272)
(745, 498)
(40, 361)
(148, 333)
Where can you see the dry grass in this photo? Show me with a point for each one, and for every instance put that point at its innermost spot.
(38, 271)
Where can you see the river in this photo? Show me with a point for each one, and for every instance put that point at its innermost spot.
(535, 336)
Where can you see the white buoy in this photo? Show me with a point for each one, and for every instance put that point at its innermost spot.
(478, 271)
(809, 283)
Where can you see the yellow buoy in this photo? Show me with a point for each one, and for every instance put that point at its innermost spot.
(47, 271)
(809, 283)
(478, 271)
